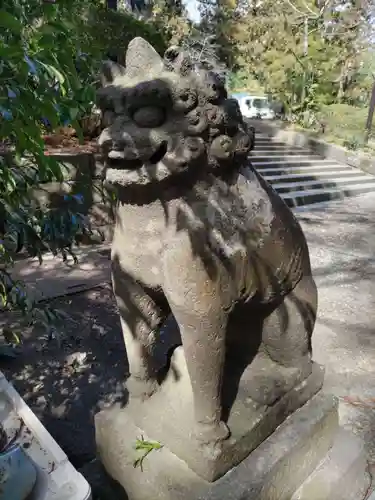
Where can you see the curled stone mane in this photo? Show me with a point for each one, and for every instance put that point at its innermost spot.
(176, 121)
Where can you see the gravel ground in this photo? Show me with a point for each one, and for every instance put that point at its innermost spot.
(65, 383)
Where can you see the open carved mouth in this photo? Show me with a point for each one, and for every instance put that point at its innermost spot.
(159, 153)
(119, 161)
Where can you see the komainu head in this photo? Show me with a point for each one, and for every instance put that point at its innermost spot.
(166, 116)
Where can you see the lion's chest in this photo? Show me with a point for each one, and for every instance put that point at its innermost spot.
(138, 241)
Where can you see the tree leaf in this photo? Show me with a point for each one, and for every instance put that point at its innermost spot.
(9, 22)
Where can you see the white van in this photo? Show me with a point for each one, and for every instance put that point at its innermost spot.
(256, 107)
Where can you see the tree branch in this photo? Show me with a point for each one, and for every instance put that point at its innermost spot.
(295, 8)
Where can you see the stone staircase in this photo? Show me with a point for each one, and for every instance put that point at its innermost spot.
(303, 179)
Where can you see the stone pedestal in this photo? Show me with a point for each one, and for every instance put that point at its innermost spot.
(167, 417)
(308, 457)
(293, 449)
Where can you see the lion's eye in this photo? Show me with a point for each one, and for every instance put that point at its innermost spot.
(104, 101)
(149, 116)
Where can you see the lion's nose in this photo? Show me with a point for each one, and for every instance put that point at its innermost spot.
(149, 117)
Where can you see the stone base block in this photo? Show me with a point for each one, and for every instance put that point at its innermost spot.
(274, 471)
(342, 475)
(167, 416)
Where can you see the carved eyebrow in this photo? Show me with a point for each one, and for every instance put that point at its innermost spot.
(109, 97)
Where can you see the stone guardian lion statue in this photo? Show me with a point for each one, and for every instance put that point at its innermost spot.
(200, 235)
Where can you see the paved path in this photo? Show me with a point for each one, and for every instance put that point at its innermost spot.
(304, 179)
(341, 239)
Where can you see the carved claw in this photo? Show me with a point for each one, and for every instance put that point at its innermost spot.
(212, 432)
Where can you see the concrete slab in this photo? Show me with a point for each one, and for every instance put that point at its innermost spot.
(55, 278)
(342, 242)
(342, 475)
(272, 472)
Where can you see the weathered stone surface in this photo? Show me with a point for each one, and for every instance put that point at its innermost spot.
(201, 236)
(250, 423)
(342, 475)
(273, 471)
(85, 195)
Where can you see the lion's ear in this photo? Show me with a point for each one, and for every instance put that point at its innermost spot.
(109, 71)
(142, 58)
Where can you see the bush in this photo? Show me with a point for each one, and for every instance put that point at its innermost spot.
(112, 31)
(50, 54)
(41, 46)
(345, 122)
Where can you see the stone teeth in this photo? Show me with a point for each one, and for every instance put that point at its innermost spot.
(116, 155)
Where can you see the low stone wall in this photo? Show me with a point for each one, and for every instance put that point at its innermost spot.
(83, 180)
(279, 132)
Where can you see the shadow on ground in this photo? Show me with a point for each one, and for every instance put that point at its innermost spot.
(66, 384)
(342, 242)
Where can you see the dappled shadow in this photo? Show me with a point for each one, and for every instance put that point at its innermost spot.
(238, 231)
(186, 203)
(234, 227)
(347, 227)
(82, 193)
(342, 241)
(54, 277)
(66, 381)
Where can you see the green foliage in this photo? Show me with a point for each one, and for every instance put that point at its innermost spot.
(219, 20)
(242, 81)
(169, 18)
(308, 53)
(344, 122)
(353, 143)
(40, 49)
(112, 31)
(50, 54)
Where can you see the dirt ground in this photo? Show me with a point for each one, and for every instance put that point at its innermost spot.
(66, 381)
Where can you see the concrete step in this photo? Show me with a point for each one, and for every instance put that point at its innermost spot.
(317, 183)
(295, 168)
(267, 142)
(313, 206)
(314, 175)
(297, 198)
(276, 147)
(299, 159)
(278, 152)
(342, 475)
(305, 179)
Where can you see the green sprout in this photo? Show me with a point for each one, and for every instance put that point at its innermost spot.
(147, 447)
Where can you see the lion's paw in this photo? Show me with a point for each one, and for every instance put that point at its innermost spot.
(212, 432)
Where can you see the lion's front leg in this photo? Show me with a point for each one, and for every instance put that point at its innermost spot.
(198, 305)
(203, 339)
(142, 311)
